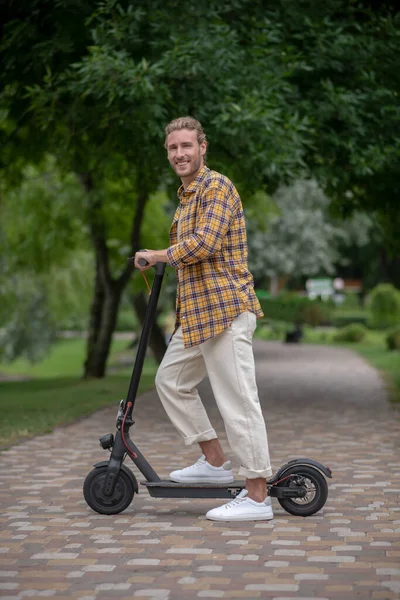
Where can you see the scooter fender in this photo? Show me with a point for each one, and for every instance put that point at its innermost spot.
(104, 463)
(301, 461)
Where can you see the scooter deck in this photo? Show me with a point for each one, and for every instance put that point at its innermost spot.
(170, 489)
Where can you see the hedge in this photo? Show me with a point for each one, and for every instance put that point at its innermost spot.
(296, 309)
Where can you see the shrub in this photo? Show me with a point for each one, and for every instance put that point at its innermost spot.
(351, 301)
(351, 333)
(384, 304)
(296, 309)
(340, 318)
(393, 339)
(313, 313)
(271, 330)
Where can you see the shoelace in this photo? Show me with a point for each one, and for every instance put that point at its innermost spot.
(234, 502)
(199, 462)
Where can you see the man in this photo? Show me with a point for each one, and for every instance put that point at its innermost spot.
(216, 313)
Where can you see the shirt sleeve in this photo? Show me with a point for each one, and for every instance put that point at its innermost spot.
(213, 222)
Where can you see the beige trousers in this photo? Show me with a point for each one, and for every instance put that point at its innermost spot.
(229, 362)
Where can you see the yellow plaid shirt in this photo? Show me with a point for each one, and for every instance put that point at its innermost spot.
(214, 283)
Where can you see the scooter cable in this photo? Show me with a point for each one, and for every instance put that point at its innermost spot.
(147, 283)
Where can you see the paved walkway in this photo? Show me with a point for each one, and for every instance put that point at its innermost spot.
(319, 402)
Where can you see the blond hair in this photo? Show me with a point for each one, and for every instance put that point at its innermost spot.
(185, 123)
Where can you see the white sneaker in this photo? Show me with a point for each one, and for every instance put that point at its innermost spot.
(203, 472)
(242, 509)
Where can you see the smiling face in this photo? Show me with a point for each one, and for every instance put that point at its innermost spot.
(185, 154)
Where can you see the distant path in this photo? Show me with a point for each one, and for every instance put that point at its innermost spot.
(9, 377)
(321, 402)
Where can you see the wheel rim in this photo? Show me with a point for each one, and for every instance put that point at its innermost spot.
(118, 494)
(310, 486)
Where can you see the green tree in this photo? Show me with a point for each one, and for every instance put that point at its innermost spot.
(345, 58)
(103, 102)
(26, 325)
(42, 244)
(297, 238)
(285, 90)
(46, 252)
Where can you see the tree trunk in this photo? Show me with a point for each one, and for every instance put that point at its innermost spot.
(273, 285)
(96, 363)
(157, 340)
(96, 311)
(108, 291)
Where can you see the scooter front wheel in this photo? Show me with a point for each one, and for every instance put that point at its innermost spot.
(303, 477)
(93, 491)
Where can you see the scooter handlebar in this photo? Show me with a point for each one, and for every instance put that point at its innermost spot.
(142, 261)
(159, 267)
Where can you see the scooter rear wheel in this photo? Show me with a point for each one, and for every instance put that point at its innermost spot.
(94, 495)
(316, 487)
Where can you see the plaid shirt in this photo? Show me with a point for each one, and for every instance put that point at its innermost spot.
(214, 283)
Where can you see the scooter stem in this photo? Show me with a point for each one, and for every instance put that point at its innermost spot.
(145, 336)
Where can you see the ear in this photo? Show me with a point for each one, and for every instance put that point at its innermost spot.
(203, 148)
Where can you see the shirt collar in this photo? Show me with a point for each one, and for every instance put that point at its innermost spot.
(184, 195)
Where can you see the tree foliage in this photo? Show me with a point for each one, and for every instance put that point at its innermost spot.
(348, 79)
(43, 246)
(297, 237)
(42, 217)
(282, 87)
(384, 304)
(26, 325)
(286, 90)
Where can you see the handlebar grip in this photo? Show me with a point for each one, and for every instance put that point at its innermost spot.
(143, 262)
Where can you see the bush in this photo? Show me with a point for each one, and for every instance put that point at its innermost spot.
(296, 309)
(384, 304)
(351, 333)
(271, 330)
(393, 339)
(316, 336)
(341, 318)
(351, 301)
(314, 313)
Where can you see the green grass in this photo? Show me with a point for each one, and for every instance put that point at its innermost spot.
(65, 359)
(57, 395)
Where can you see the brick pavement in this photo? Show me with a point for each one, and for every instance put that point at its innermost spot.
(319, 402)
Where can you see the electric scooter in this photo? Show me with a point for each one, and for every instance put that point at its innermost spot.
(299, 485)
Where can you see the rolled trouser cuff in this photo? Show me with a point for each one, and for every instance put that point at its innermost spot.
(255, 474)
(205, 436)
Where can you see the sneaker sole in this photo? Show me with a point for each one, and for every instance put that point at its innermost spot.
(220, 480)
(255, 518)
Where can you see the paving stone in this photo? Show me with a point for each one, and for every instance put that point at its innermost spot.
(311, 576)
(271, 587)
(53, 545)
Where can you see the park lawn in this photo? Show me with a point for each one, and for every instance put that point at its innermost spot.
(65, 358)
(56, 395)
